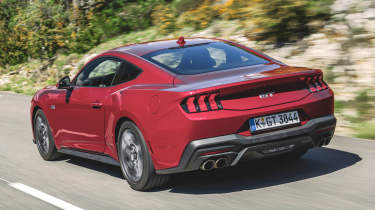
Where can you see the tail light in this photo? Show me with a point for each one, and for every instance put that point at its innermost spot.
(316, 83)
(201, 103)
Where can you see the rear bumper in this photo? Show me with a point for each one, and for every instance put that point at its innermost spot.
(316, 132)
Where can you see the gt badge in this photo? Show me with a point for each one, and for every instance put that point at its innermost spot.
(266, 95)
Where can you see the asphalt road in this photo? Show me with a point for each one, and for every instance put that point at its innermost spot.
(340, 176)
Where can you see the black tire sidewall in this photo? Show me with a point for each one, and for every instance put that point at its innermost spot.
(51, 149)
(148, 168)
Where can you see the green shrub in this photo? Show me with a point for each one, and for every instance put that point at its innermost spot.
(283, 21)
(185, 5)
(200, 17)
(366, 130)
(6, 87)
(40, 28)
(108, 20)
(363, 96)
(329, 75)
(339, 106)
(51, 82)
(164, 18)
(35, 30)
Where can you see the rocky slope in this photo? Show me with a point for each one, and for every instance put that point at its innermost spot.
(345, 49)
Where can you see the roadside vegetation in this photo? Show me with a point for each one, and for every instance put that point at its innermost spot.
(39, 29)
(359, 114)
(41, 41)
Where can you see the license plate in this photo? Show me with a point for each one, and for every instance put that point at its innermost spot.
(274, 121)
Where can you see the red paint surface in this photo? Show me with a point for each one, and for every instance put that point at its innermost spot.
(152, 101)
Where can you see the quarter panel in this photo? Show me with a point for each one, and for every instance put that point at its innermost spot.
(130, 99)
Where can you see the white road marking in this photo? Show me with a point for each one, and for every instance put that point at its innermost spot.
(42, 196)
(4, 180)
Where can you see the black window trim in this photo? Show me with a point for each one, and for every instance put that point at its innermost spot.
(97, 61)
(130, 63)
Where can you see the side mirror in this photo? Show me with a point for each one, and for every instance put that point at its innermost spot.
(64, 83)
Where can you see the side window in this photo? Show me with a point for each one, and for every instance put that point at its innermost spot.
(126, 73)
(100, 75)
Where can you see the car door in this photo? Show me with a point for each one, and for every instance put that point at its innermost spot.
(81, 115)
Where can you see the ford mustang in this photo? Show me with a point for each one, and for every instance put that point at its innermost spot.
(173, 106)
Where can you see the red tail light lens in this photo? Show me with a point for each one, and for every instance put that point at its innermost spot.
(212, 102)
(322, 83)
(201, 103)
(316, 83)
(190, 105)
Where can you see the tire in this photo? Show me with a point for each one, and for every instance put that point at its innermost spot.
(135, 160)
(43, 137)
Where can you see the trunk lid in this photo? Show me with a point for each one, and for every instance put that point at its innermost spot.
(251, 87)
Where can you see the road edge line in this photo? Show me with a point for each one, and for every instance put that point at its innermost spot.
(43, 196)
(6, 181)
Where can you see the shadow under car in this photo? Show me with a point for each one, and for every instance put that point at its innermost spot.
(247, 175)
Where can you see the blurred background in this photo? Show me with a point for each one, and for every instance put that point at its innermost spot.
(43, 40)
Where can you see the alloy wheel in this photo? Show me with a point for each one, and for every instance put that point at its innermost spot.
(42, 135)
(132, 156)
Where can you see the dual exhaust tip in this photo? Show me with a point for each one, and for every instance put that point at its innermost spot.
(208, 165)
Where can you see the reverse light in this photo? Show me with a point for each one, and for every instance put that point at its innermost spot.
(201, 103)
(316, 83)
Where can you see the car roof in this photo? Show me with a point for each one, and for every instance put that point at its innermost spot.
(148, 47)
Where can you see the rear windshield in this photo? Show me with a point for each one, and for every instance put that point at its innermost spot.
(202, 58)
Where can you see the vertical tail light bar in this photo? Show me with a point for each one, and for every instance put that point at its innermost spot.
(316, 83)
(212, 102)
(322, 83)
(201, 103)
(190, 105)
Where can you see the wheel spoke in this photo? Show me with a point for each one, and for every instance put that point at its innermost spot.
(42, 135)
(132, 155)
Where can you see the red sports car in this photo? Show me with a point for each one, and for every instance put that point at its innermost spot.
(172, 106)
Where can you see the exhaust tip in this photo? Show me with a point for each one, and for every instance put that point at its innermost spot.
(208, 165)
(221, 163)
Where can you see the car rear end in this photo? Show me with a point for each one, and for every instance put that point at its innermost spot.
(261, 110)
(291, 112)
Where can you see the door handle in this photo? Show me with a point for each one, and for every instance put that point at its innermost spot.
(96, 105)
